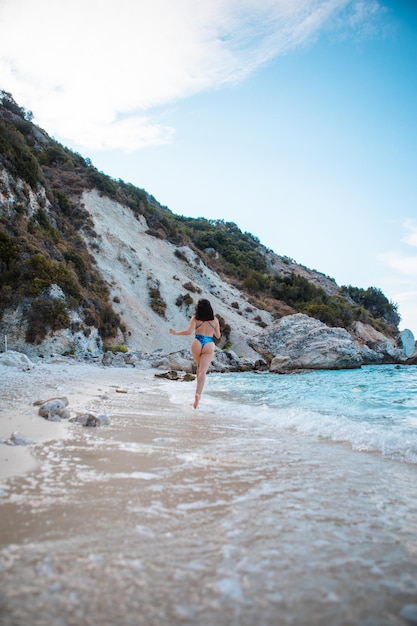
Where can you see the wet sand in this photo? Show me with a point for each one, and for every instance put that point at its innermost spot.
(171, 516)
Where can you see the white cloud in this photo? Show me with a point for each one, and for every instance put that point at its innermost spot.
(411, 235)
(405, 265)
(91, 69)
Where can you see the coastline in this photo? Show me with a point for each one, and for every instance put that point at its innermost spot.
(88, 387)
(183, 517)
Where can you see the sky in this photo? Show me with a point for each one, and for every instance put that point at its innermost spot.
(294, 119)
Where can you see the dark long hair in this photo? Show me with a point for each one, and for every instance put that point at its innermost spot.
(203, 311)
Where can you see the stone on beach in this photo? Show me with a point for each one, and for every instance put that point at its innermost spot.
(55, 409)
(90, 420)
(175, 375)
(17, 439)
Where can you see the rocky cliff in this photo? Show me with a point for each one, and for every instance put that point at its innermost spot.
(139, 268)
(88, 265)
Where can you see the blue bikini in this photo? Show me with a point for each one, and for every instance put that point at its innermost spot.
(204, 339)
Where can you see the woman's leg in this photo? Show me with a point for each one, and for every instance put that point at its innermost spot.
(203, 358)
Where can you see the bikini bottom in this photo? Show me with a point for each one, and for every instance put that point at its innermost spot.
(203, 339)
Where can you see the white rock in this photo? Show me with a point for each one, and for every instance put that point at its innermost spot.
(16, 359)
(309, 344)
(280, 363)
(408, 343)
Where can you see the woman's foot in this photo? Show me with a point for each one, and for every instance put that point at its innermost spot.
(196, 400)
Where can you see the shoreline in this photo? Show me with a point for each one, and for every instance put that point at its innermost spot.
(185, 517)
(88, 387)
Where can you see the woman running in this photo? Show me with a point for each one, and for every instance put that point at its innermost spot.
(205, 325)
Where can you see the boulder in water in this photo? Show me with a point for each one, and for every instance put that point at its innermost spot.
(301, 342)
(407, 342)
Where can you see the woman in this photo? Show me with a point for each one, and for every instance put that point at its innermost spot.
(202, 347)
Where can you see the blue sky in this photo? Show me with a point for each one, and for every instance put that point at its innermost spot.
(295, 119)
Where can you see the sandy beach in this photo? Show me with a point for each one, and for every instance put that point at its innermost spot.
(176, 517)
(87, 387)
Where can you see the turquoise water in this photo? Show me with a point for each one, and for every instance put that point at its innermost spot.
(373, 408)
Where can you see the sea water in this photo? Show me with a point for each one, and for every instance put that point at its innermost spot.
(373, 408)
(283, 500)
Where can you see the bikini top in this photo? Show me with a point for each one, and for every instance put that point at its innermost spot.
(203, 322)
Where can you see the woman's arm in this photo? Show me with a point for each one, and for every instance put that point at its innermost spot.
(187, 331)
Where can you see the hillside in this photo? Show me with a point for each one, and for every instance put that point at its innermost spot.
(87, 262)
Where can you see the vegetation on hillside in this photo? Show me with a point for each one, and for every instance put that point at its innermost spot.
(47, 247)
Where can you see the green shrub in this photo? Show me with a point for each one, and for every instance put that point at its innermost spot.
(19, 155)
(76, 260)
(256, 281)
(27, 167)
(48, 229)
(374, 301)
(109, 322)
(10, 251)
(62, 201)
(239, 251)
(45, 315)
(297, 291)
(118, 348)
(102, 182)
(54, 156)
(39, 272)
